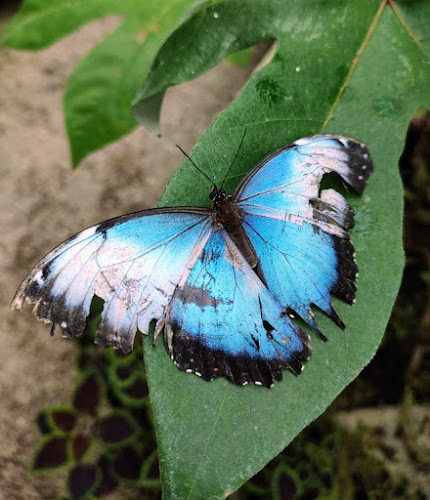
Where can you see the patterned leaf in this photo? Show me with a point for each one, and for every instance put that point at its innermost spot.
(82, 481)
(51, 453)
(88, 393)
(116, 428)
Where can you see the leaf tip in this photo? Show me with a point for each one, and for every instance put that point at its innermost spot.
(146, 111)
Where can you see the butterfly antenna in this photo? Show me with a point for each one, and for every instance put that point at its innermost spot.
(234, 159)
(199, 169)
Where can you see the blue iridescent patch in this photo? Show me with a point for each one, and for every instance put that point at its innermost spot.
(222, 283)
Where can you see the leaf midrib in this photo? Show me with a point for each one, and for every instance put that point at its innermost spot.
(207, 442)
(330, 114)
(355, 61)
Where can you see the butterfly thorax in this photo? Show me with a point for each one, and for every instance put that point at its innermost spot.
(226, 214)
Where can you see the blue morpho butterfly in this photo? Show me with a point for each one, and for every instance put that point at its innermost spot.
(222, 282)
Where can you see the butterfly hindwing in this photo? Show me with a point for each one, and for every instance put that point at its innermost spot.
(224, 321)
(300, 234)
(133, 263)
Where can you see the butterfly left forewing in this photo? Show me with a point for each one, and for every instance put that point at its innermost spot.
(133, 263)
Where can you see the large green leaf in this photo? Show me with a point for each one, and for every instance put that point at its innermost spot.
(350, 68)
(101, 88)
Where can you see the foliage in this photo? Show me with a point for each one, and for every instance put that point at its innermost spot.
(104, 436)
(326, 460)
(103, 85)
(350, 68)
(356, 68)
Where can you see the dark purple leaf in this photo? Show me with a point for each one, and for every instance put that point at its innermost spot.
(138, 389)
(88, 394)
(108, 482)
(84, 360)
(123, 372)
(150, 473)
(127, 463)
(286, 488)
(259, 484)
(52, 452)
(64, 419)
(82, 480)
(115, 428)
(154, 468)
(120, 354)
(80, 444)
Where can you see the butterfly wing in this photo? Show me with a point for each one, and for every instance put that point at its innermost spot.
(300, 234)
(181, 269)
(224, 321)
(134, 263)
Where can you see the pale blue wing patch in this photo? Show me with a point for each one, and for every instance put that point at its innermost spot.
(285, 185)
(224, 321)
(133, 263)
(301, 269)
(299, 233)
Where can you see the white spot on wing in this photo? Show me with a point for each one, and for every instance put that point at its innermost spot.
(88, 232)
(38, 277)
(301, 142)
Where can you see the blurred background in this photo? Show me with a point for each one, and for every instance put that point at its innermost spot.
(374, 440)
(43, 201)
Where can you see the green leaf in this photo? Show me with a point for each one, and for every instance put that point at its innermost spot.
(241, 58)
(350, 68)
(101, 88)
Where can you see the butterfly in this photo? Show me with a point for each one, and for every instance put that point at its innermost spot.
(225, 282)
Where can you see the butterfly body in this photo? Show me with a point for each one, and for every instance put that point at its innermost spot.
(227, 215)
(221, 282)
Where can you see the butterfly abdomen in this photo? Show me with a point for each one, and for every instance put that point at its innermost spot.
(228, 216)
